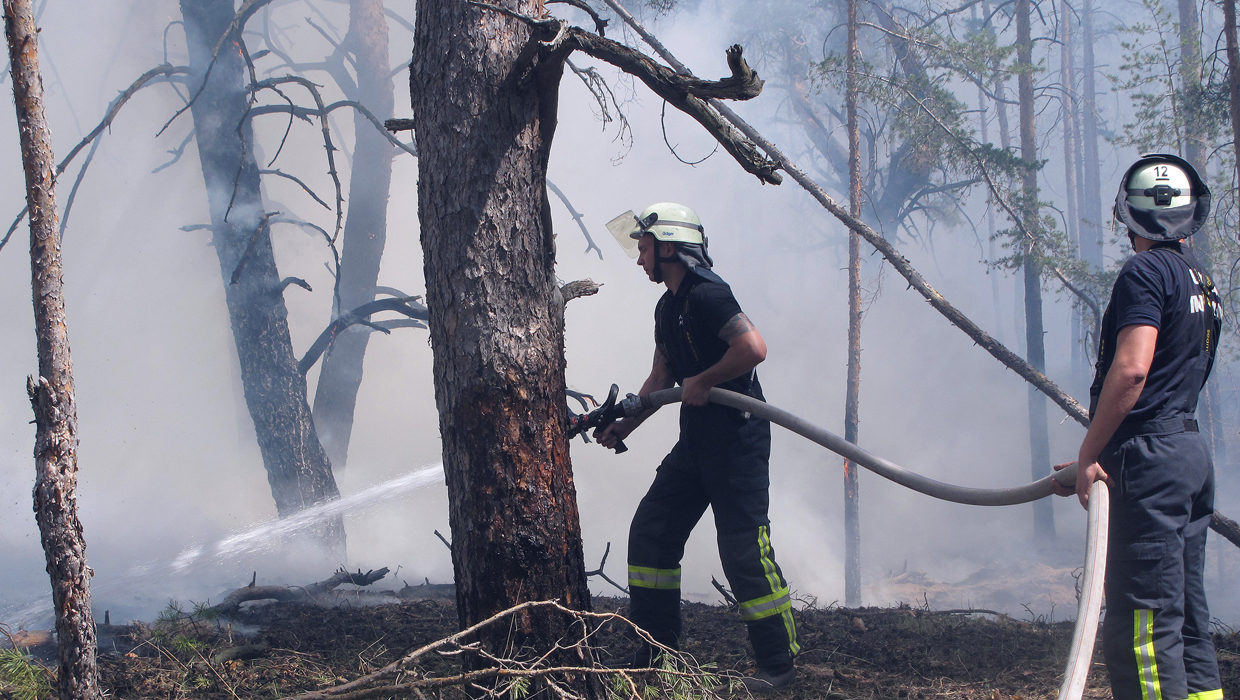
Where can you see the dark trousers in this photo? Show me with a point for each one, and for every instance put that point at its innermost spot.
(723, 465)
(1156, 635)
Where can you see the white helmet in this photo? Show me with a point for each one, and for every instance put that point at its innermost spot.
(1159, 185)
(1162, 198)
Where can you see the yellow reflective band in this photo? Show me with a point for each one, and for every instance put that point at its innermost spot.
(1143, 648)
(647, 577)
(773, 579)
(1207, 695)
(766, 606)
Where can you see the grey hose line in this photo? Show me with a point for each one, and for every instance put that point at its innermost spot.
(1089, 607)
(1081, 653)
(878, 465)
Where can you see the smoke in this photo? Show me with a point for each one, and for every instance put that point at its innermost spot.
(168, 458)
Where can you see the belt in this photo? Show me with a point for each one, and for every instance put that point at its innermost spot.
(1155, 426)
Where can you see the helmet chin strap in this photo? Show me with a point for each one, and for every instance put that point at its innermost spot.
(659, 260)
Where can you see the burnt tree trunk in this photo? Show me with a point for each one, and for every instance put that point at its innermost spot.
(1039, 440)
(51, 395)
(852, 398)
(484, 115)
(365, 229)
(275, 391)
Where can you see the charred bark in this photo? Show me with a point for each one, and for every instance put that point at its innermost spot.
(484, 104)
(365, 230)
(51, 394)
(275, 392)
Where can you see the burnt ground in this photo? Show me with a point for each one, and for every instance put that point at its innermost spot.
(900, 652)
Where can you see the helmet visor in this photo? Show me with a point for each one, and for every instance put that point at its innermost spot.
(622, 229)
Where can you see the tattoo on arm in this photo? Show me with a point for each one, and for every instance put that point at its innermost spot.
(737, 325)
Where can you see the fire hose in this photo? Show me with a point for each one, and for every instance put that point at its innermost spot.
(1088, 607)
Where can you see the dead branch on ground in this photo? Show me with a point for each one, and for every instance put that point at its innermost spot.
(508, 676)
(232, 602)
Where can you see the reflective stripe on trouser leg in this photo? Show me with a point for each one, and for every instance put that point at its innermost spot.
(1207, 695)
(762, 594)
(649, 577)
(1143, 651)
(779, 590)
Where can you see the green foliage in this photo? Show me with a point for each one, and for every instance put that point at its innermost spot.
(21, 678)
(1172, 104)
(519, 688)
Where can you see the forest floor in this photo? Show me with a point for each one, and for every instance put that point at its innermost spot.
(900, 652)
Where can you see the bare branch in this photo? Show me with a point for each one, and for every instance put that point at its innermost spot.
(600, 24)
(383, 127)
(284, 283)
(327, 138)
(247, 10)
(263, 225)
(165, 71)
(686, 92)
(590, 245)
(601, 574)
(408, 306)
(303, 185)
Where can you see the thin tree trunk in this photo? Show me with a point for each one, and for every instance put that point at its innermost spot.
(852, 500)
(275, 391)
(1039, 441)
(1079, 367)
(484, 116)
(365, 230)
(1233, 79)
(51, 394)
(1092, 204)
(1005, 142)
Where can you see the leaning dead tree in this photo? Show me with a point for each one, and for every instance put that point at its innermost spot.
(298, 469)
(51, 394)
(1221, 524)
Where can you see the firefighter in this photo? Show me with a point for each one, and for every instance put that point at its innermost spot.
(1159, 335)
(703, 340)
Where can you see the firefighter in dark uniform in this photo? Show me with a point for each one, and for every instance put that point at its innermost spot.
(703, 340)
(1159, 335)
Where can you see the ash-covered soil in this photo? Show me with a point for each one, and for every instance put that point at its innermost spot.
(902, 652)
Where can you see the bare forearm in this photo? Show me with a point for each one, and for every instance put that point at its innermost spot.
(1119, 394)
(1125, 380)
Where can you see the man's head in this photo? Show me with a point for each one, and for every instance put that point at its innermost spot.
(1162, 198)
(666, 233)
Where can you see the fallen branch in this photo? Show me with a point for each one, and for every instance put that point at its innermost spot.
(232, 602)
(399, 677)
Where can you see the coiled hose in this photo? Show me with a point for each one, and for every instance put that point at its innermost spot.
(1089, 606)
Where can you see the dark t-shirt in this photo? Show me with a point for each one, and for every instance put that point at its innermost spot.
(687, 325)
(1157, 288)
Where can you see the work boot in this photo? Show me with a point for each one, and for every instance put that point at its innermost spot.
(768, 681)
